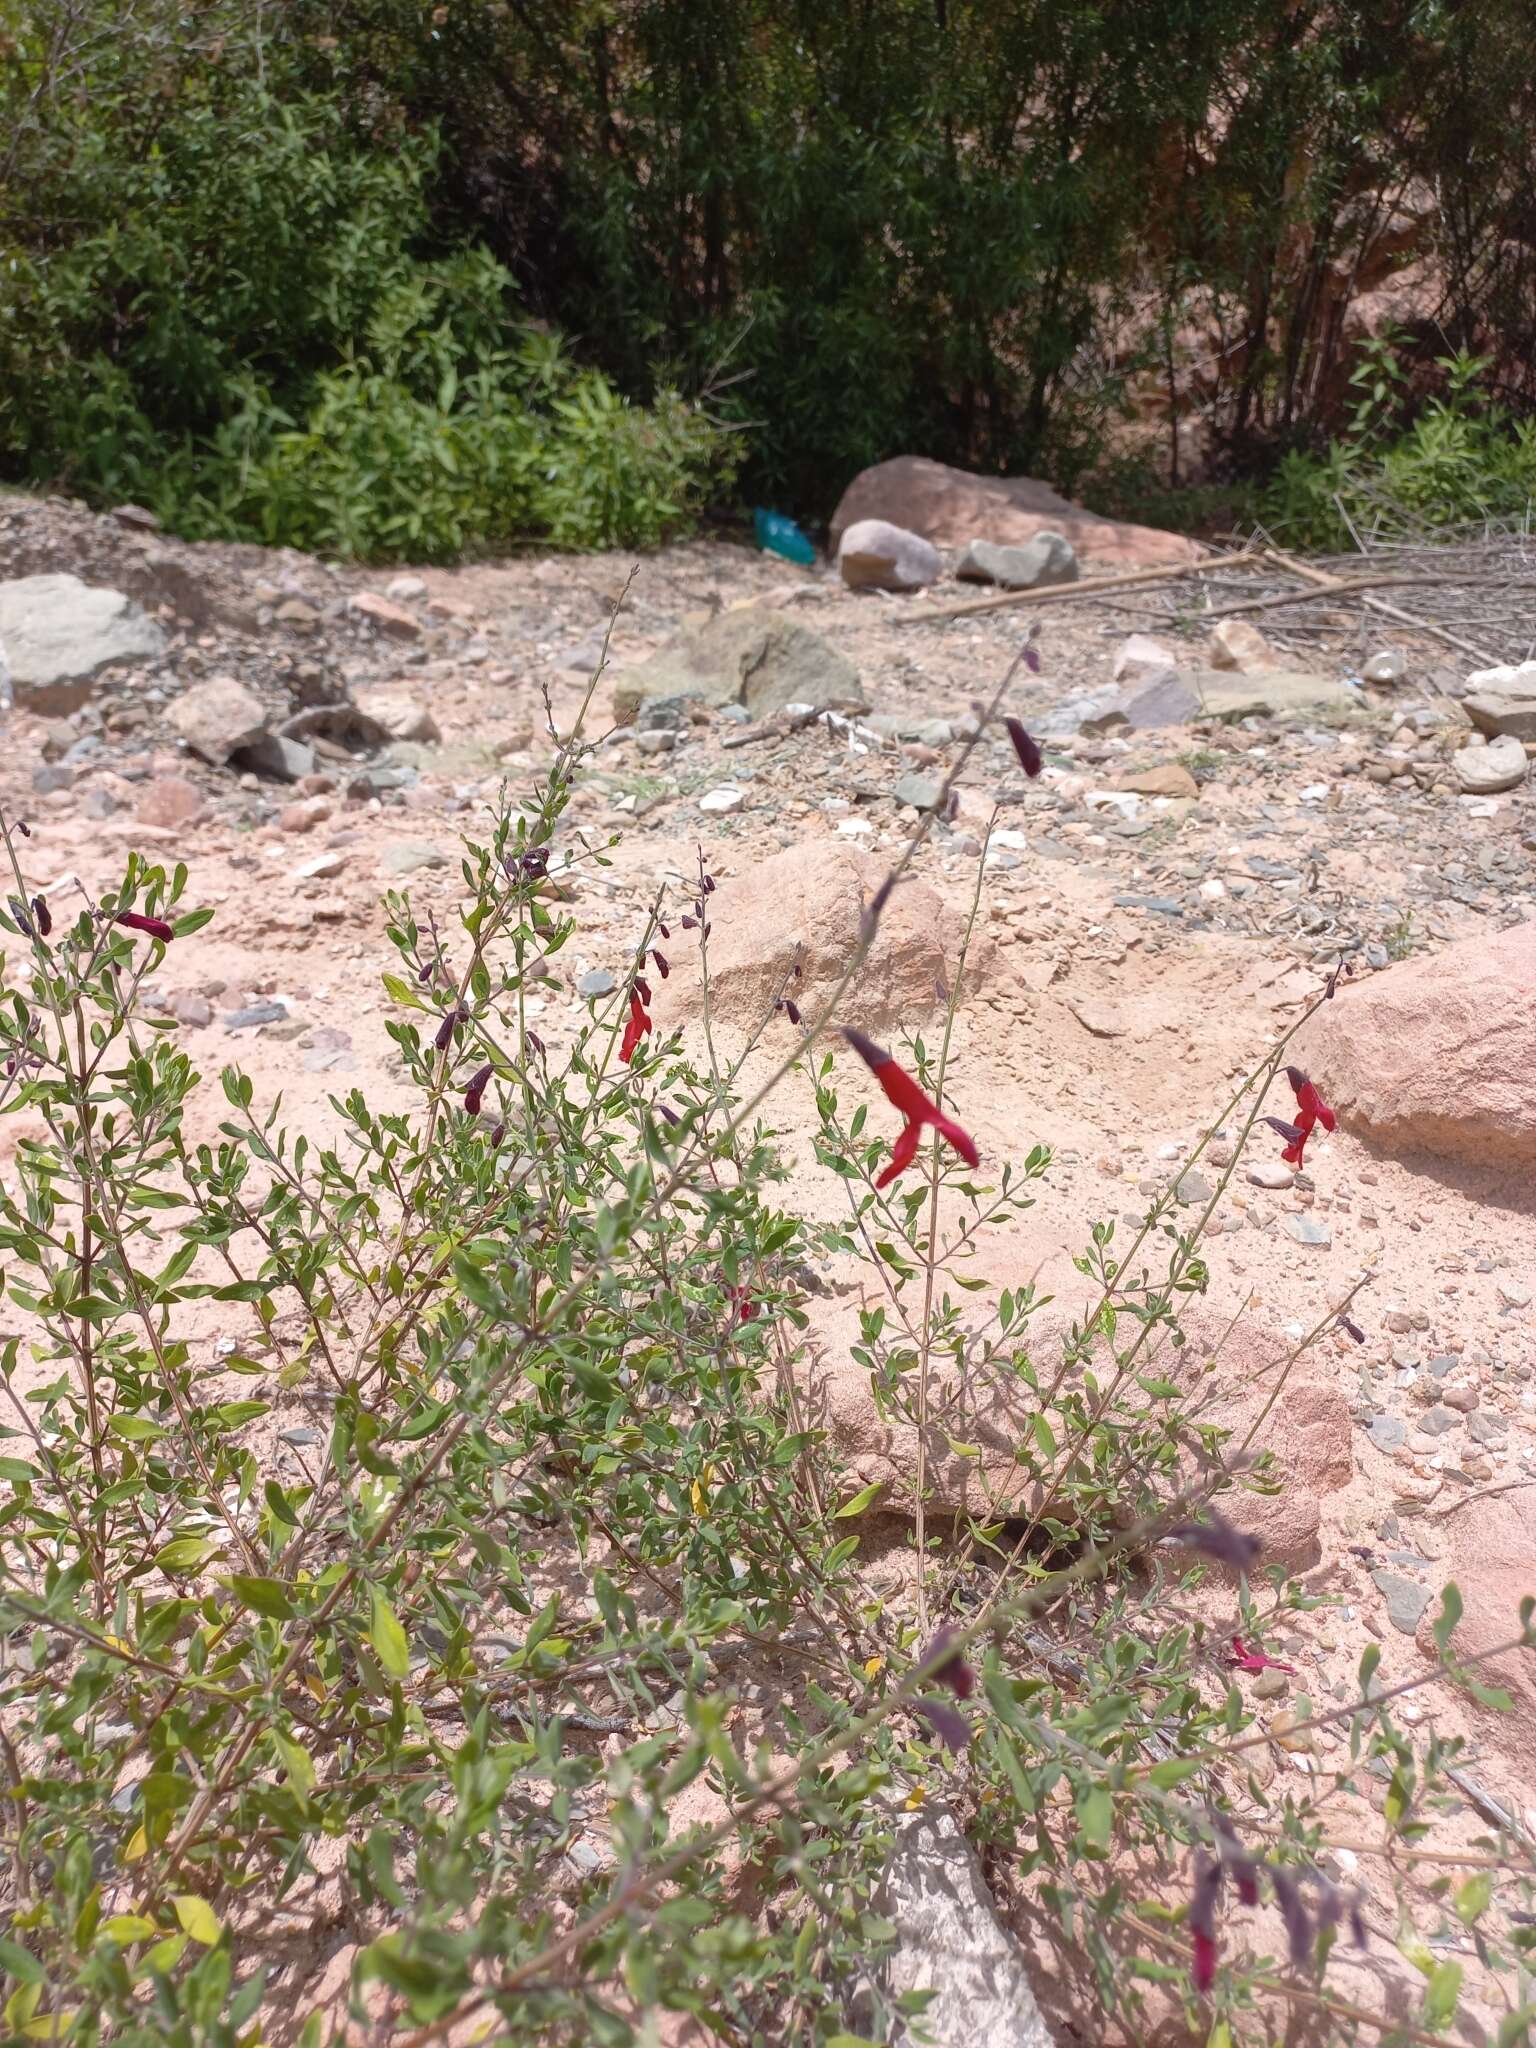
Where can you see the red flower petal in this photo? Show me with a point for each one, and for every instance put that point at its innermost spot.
(1205, 1961)
(635, 1028)
(900, 1089)
(155, 926)
(903, 1152)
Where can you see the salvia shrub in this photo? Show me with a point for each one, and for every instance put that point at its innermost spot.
(427, 1535)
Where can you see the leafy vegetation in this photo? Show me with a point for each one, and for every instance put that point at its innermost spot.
(220, 305)
(431, 1530)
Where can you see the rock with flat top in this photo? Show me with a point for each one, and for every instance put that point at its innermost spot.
(1139, 658)
(1171, 779)
(59, 633)
(1048, 559)
(1503, 700)
(758, 659)
(875, 555)
(1159, 699)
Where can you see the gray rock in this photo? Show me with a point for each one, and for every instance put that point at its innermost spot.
(1437, 1420)
(274, 754)
(1306, 1229)
(1386, 1432)
(950, 1941)
(1048, 558)
(1503, 701)
(51, 775)
(922, 792)
(412, 854)
(1159, 700)
(217, 718)
(254, 1014)
(1406, 1599)
(58, 633)
(752, 657)
(1484, 771)
(598, 981)
(875, 555)
(1486, 1427)
(1192, 1188)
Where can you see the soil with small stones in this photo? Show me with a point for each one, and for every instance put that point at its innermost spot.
(1147, 950)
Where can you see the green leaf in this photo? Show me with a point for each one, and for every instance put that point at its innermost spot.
(1174, 1771)
(197, 1918)
(192, 922)
(296, 1762)
(1095, 1815)
(262, 1596)
(17, 1470)
(135, 1429)
(184, 1553)
(1515, 2027)
(1440, 1999)
(388, 1637)
(125, 1927)
(860, 1501)
(17, 1962)
(1474, 1898)
(1449, 1616)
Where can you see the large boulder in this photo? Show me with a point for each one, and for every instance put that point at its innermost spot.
(757, 658)
(804, 907)
(1047, 559)
(1437, 1055)
(952, 506)
(1492, 1562)
(58, 633)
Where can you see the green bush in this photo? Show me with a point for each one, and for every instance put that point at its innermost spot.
(1461, 460)
(242, 315)
(441, 1511)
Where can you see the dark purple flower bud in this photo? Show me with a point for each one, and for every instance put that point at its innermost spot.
(43, 915)
(1292, 1133)
(498, 1132)
(23, 828)
(1351, 1329)
(1298, 1923)
(1245, 1876)
(476, 1089)
(778, 1004)
(668, 1116)
(1329, 1905)
(954, 1671)
(1216, 1538)
(449, 1025)
(791, 1011)
(665, 933)
(536, 1042)
(643, 990)
(1031, 760)
(869, 924)
(660, 963)
(948, 1723)
(709, 885)
(155, 926)
(1203, 1898)
(1357, 1933)
(18, 910)
(1031, 660)
(689, 923)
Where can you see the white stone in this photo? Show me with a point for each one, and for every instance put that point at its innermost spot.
(404, 588)
(1141, 657)
(875, 555)
(1483, 771)
(725, 798)
(1235, 644)
(1314, 793)
(1271, 1173)
(58, 632)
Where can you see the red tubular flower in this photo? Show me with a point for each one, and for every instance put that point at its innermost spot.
(1205, 1961)
(635, 1028)
(155, 926)
(476, 1090)
(1311, 1110)
(901, 1090)
(1244, 1659)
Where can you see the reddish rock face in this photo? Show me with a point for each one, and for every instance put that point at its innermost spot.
(1438, 1055)
(951, 506)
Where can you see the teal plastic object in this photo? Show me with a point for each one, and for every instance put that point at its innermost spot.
(777, 534)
